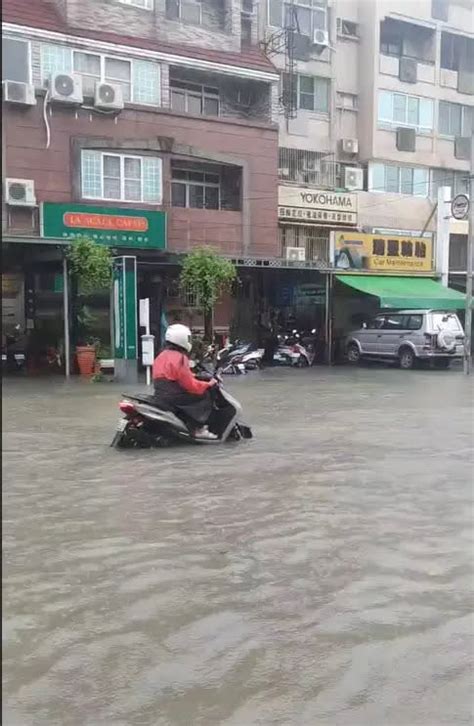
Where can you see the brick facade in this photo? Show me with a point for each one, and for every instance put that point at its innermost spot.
(253, 230)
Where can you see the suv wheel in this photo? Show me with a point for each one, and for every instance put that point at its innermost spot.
(353, 354)
(407, 359)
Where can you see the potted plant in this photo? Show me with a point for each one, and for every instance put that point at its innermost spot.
(91, 269)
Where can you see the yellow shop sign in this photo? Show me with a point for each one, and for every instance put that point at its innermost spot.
(384, 253)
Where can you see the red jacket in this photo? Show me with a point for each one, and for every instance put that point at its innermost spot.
(171, 365)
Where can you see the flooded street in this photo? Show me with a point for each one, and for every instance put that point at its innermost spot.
(320, 575)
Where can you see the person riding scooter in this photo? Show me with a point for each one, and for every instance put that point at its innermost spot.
(175, 386)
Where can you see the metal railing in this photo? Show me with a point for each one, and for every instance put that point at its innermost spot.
(316, 247)
(307, 168)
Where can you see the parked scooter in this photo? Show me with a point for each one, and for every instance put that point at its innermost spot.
(13, 355)
(292, 352)
(238, 358)
(146, 425)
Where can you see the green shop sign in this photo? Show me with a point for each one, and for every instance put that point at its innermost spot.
(111, 226)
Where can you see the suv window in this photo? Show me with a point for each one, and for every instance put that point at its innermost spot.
(415, 322)
(445, 321)
(395, 322)
(376, 323)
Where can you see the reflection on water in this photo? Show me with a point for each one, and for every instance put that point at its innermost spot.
(320, 575)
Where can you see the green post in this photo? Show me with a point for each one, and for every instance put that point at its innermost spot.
(124, 295)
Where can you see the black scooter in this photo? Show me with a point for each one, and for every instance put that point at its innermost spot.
(145, 425)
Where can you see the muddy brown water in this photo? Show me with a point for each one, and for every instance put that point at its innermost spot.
(320, 575)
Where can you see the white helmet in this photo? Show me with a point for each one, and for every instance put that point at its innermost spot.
(179, 335)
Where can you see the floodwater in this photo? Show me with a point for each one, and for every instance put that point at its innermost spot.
(320, 575)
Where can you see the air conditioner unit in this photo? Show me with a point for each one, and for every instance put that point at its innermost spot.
(295, 254)
(283, 171)
(19, 93)
(349, 146)
(66, 88)
(108, 96)
(321, 37)
(353, 178)
(20, 192)
(405, 139)
(462, 147)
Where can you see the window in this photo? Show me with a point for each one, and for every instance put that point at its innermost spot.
(195, 99)
(188, 11)
(457, 180)
(347, 28)
(306, 15)
(121, 177)
(395, 322)
(390, 40)
(347, 100)
(414, 322)
(455, 120)
(139, 80)
(16, 60)
(145, 4)
(402, 110)
(195, 189)
(399, 179)
(313, 93)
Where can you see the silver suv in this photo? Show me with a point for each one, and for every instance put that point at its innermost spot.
(407, 336)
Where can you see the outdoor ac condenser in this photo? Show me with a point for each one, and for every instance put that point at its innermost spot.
(295, 254)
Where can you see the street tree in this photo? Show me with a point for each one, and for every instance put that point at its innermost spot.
(207, 276)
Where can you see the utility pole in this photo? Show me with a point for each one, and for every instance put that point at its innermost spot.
(469, 266)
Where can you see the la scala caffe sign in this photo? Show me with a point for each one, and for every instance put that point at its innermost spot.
(314, 206)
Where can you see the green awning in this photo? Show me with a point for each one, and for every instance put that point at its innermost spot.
(406, 292)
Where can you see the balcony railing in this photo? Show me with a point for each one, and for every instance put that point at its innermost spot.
(315, 246)
(307, 168)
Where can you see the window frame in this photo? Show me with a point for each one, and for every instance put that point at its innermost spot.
(327, 82)
(103, 57)
(149, 6)
(307, 5)
(28, 59)
(463, 108)
(122, 157)
(406, 124)
(204, 184)
(179, 19)
(204, 95)
(399, 167)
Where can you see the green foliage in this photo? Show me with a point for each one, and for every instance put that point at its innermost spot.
(91, 264)
(207, 275)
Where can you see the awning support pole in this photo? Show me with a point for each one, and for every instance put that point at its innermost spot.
(469, 265)
(328, 335)
(67, 352)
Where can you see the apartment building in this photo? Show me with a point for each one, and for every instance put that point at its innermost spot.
(377, 108)
(149, 125)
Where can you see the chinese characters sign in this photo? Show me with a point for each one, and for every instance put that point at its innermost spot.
(310, 206)
(355, 251)
(111, 226)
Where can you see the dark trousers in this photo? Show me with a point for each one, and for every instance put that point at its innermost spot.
(194, 410)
